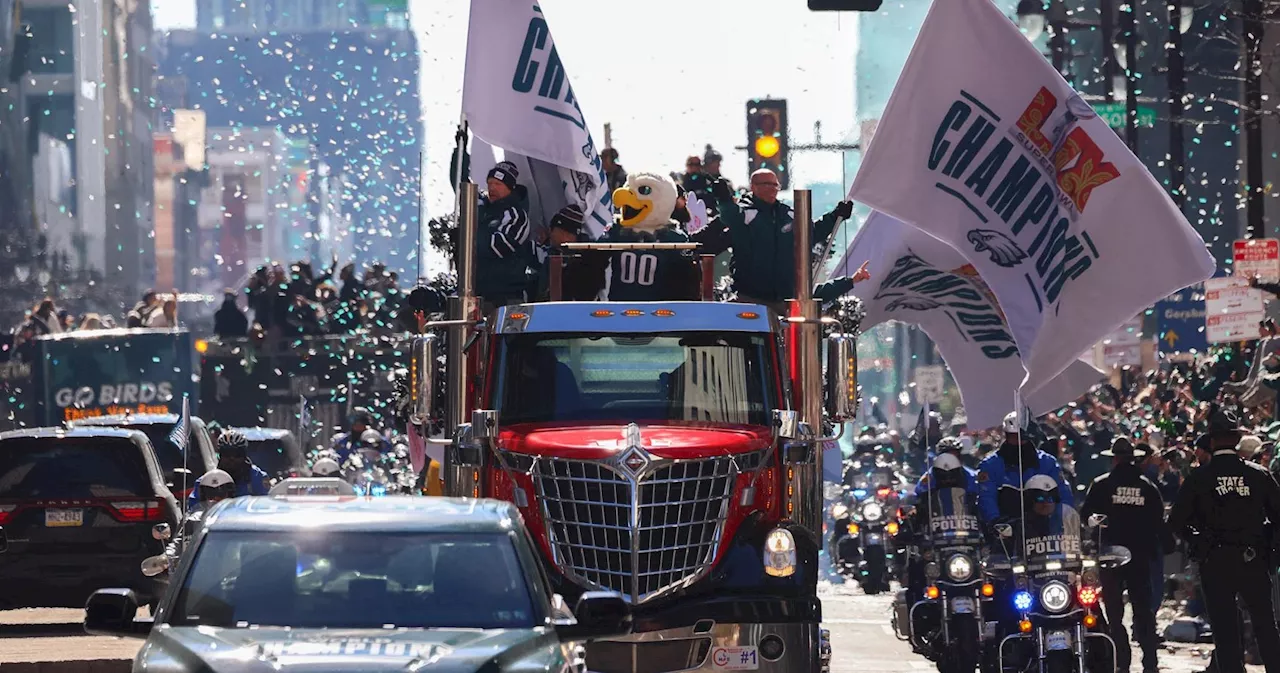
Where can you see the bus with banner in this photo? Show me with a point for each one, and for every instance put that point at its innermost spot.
(66, 377)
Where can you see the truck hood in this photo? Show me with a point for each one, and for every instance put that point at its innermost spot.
(669, 440)
(203, 649)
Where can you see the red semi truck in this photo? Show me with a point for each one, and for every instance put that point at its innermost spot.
(666, 451)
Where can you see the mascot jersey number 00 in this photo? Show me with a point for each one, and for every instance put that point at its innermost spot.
(644, 206)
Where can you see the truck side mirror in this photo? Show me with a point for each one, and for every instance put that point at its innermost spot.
(787, 422)
(842, 377)
(423, 366)
(484, 424)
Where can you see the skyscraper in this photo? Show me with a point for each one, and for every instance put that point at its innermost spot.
(350, 88)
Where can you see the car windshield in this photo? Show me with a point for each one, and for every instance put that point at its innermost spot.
(72, 467)
(695, 376)
(363, 580)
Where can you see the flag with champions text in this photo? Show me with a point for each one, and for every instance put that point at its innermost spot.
(986, 147)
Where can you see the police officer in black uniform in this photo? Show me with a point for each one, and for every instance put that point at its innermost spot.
(1134, 514)
(1223, 512)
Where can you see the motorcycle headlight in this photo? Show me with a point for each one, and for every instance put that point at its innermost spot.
(780, 553)
(872, 511)
(1055, 596)
(839, 511)
(959, 568)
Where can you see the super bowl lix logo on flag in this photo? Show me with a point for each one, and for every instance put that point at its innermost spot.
(984, 146)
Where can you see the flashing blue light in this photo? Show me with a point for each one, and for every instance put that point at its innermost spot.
(379, 489)
(859, 493)
(1022, 600)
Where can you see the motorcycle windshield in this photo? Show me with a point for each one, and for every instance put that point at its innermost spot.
(952, 517)
(1051, 541)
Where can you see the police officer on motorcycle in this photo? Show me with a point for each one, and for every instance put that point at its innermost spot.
(1002, 469)
(950, 446)
(326, 467)
(1222, 512)
(1134, 514)
(361, 422)
(233, 460)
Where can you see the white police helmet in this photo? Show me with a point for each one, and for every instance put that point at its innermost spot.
(1011, 423)
(325, 467)
(946, 461)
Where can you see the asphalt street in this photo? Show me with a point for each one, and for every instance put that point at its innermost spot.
(862, 641)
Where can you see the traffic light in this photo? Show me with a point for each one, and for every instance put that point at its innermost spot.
(767, 145)
(844, 5)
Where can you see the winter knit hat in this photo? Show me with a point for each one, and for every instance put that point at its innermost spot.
(569, 218)
(506, 173)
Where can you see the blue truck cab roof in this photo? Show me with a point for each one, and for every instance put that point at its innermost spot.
(630, 317)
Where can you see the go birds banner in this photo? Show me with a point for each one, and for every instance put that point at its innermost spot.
(984, 146)
(516, 95)
(918, 279)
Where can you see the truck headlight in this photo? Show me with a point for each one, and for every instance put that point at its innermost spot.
(959, 567)
(780, 553)
(872, 511)
(1055, 597)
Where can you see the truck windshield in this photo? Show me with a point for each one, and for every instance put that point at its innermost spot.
(356, 580)
(690, 376)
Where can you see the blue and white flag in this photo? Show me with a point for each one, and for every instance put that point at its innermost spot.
(516, 96)
(304, 417)
(919, 280)
(182, 430)
(984, 146)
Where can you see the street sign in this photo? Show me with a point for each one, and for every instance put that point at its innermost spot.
(1257, 257)
(1232, 310)
(1114, 115)
(1180, 321)
(1123, 346)
(929, 383)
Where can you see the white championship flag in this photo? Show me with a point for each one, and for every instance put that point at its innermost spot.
(917, 279)
(516, 96)
(986, 147)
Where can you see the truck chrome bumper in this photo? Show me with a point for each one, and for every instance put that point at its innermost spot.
(806, 649)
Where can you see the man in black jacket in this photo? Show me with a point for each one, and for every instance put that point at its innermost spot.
(1226, 512)
(1134, 515)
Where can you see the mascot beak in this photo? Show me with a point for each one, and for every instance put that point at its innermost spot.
(633, 208)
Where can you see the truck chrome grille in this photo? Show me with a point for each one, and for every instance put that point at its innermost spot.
(642, 536)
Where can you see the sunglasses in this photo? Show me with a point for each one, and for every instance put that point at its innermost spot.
(766, 184)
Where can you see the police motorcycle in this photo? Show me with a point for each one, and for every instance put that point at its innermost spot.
(215, 486)
(942, 610)
(1055, 587)
(865, 520)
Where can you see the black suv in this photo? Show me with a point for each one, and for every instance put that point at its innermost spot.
(76, 508)
(157, 428)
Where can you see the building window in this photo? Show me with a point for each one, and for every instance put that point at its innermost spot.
(51, 42)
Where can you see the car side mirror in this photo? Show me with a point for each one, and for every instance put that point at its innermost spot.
(842, 377)
(113, 612)
(599, 614)
(161, 532)
(4, 541)
(180, 476)
(484, 424)
(787, 423)
(423, 367)
(154, 565)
